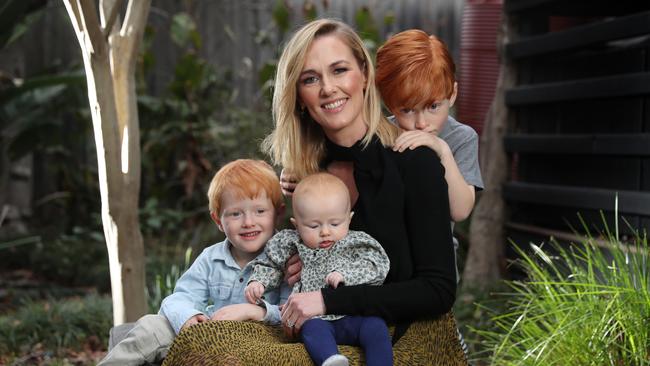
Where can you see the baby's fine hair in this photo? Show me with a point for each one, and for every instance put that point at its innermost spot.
(414, 69)
(319, 183)
(246, 178)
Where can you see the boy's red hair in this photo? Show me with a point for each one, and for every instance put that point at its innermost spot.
(414, 69)
(247, 179)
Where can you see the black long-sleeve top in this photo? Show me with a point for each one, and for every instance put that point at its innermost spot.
(403, 203)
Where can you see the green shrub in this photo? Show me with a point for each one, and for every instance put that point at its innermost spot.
(164, 281)
(55, 325)
(582, 304)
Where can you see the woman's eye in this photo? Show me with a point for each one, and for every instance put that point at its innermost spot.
(340, 70)
(309, 80)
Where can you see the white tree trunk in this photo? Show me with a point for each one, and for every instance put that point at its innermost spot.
(109, 60)
(486, 250)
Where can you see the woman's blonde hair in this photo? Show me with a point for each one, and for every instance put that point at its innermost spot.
(298, 143)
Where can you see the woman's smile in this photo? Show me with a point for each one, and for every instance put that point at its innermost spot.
(336, 106)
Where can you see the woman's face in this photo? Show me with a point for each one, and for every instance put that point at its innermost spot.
(331, 87)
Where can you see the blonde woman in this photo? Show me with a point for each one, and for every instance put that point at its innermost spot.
(327, 117)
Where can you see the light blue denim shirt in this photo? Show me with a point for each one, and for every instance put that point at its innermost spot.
(216, 277)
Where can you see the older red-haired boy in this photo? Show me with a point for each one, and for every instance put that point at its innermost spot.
(416, 78)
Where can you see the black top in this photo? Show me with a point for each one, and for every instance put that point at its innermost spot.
(403, 203)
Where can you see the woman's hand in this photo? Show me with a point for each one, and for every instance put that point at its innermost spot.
(196, 319)
(292, 270)
(239, 312)
(301, 307)
(288, 182)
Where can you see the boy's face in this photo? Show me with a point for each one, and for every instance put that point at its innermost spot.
(322, 219)
(428, 118)
(247, 223)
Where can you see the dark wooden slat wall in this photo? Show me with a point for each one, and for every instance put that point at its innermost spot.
(581, 131)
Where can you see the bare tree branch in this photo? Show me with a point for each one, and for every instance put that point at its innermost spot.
(91, 25)
(134, 22)
(73, 12)
(112, 17)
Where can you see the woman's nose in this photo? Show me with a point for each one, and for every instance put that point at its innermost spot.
(327, 86)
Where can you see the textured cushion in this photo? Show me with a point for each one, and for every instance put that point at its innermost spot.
(433, 342)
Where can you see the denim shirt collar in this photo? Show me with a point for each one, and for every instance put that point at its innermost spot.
(222, 253)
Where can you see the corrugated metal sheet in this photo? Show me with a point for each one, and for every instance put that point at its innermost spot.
(478, 68)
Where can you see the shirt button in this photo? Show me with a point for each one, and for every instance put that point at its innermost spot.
(241, 280)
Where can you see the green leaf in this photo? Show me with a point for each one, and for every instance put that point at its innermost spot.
(309, 11)
(181, 29)
(281, 16)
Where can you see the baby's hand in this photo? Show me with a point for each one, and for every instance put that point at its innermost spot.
(239, 312)
(412, 139)
(288, 182)
(196, 319)
(334, 278)
(254, 292)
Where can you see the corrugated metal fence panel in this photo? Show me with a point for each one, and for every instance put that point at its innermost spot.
(479, 64)
(229, 30)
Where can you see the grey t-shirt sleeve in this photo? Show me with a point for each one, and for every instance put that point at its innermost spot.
(463, 142)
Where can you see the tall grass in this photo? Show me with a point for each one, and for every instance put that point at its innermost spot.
(164, 282)
(582, 304)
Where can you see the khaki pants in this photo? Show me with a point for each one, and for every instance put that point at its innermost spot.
(148, 341)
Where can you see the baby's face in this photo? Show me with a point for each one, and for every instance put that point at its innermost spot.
(322, 219)
(430, 118)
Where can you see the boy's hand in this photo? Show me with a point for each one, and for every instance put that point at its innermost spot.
(239, 312)
(196, 319)
(293, 269)
(412, 139)
(288, 182)
(254, 292)
(333, 279)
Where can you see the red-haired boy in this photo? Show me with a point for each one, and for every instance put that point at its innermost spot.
(245, 203)
(416, 78)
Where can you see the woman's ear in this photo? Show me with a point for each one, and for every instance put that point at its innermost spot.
(217, 220)
(452, 99)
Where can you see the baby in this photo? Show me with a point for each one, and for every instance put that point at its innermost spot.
(332, 255)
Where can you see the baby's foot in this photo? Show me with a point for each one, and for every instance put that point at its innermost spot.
(336, 360)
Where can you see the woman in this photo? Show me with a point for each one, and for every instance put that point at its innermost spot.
(327, 116)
